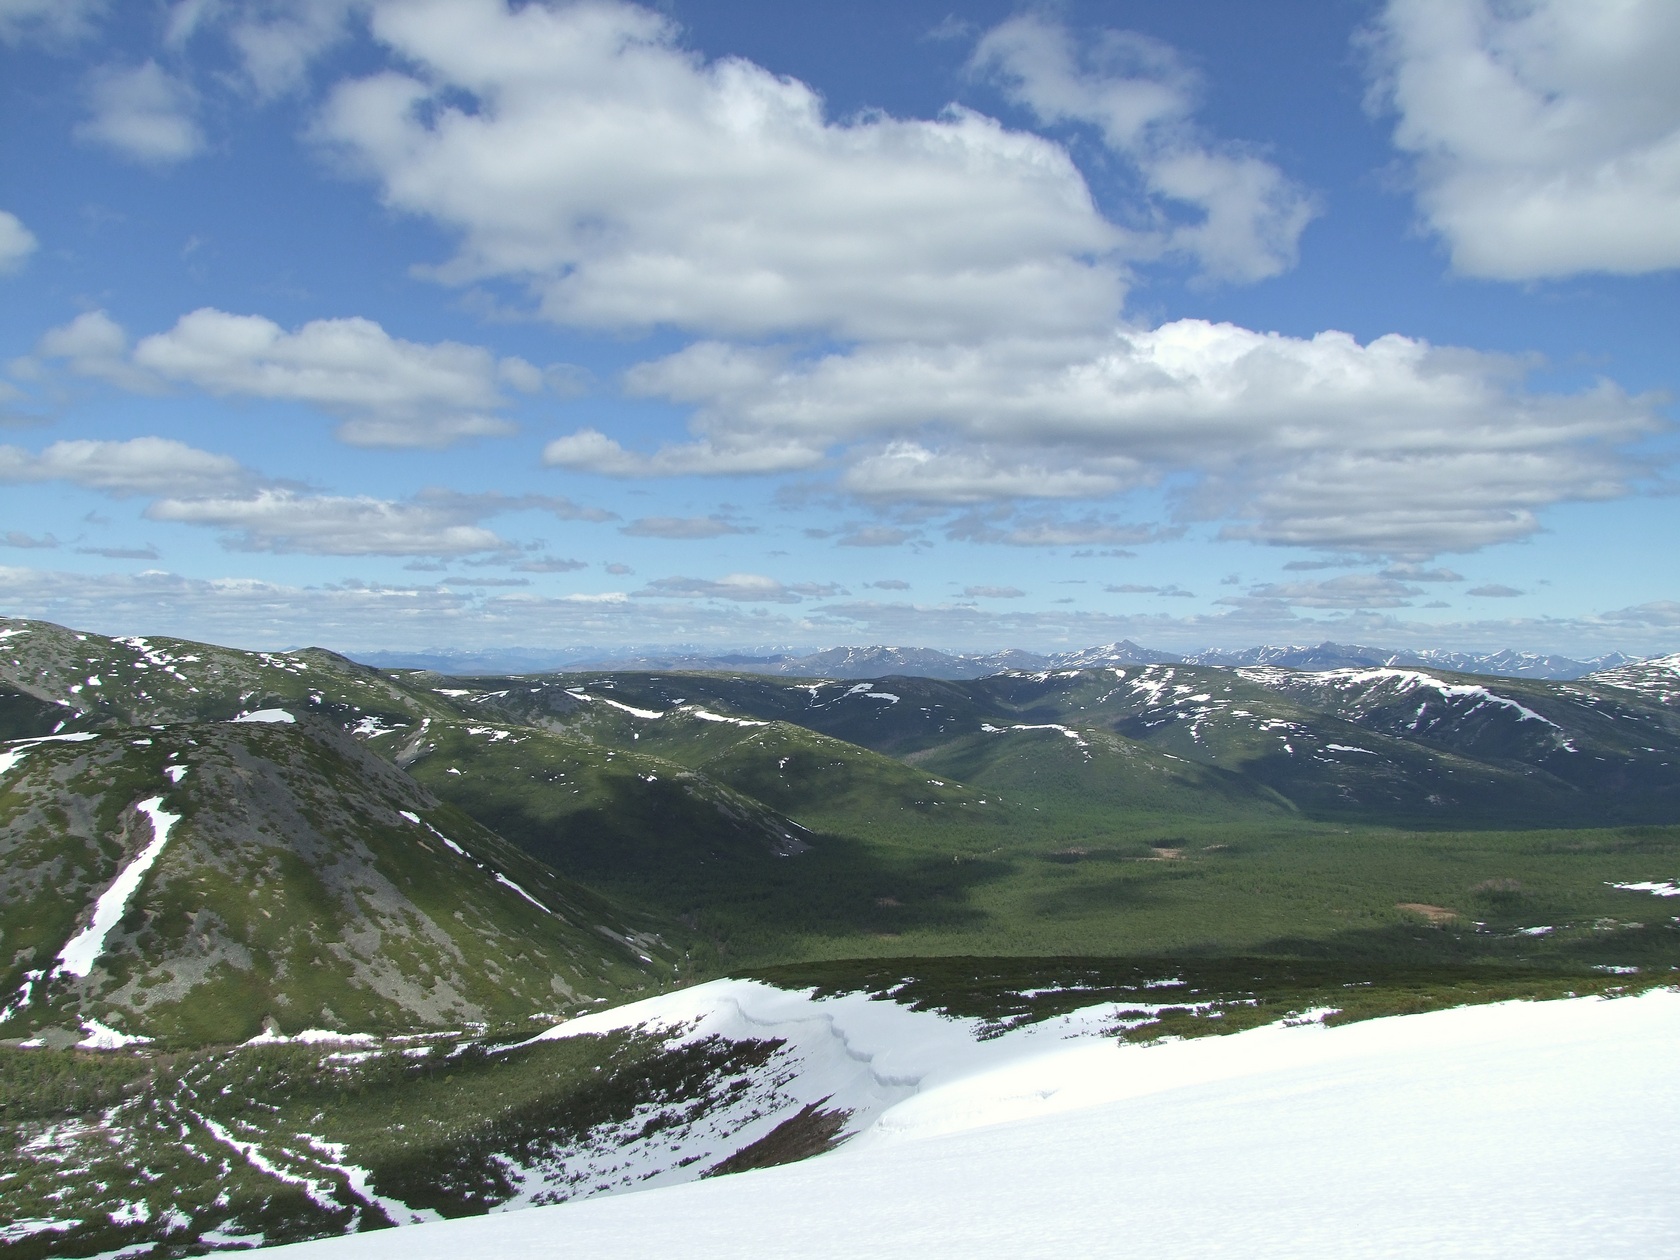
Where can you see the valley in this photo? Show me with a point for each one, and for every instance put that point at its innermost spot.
(282, 935)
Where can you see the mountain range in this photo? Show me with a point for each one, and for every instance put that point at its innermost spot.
(873, 662)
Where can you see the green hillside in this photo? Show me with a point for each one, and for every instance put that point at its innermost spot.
(303, 884)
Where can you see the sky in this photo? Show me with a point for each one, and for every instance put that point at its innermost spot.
(417, 324)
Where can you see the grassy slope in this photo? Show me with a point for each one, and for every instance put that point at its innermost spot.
(291, 888)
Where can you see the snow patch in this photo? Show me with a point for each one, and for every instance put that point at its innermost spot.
(579, 694)
(17, 749)
(29, 1227)
(279, 716)
(706, 715)
(311, 1037)
(101, 1037)
(83, 950)
(1666, 888)
(508, 883)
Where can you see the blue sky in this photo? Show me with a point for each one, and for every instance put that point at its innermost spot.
(396, 324)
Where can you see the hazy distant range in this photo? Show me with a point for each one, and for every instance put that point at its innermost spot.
(877, 662)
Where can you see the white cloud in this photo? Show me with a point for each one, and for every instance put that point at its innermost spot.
(249, 612)
(590, 450)
(1351, 590)
(16, 242)
(1546, 134)
(1464, 495)
(386, 392)
(681, 527)
(1136, 588)
(244, 611)
(1395, 446)
(148, 552)
(1000, 525)
(47, 21)
(95, 345)
(279, 520)
(993, 592)
(630, 183)
(1661, 614)
(874, 536)
(550, 564)
(142, 113)
(906, 470)
(1249, 216)
(139, 466)
(389, 392)
(1410, 573)
(277, 42)
(196, 487)
(742, 588)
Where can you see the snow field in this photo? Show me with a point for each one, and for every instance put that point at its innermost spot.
(1520, 1130)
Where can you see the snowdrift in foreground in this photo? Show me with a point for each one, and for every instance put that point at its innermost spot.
(1533, 1130)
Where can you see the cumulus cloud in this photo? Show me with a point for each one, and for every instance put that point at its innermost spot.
(681, 527)
(1392, 447)
(1246, 215)
(1546, 135)
(139, 466)
(280, 520)
(142, 113)
(992, 592)
(631, 183)
(95, 345)
(27, 542)
(387, 392)
(964, 268)
(16, 242)
(1494, 590)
